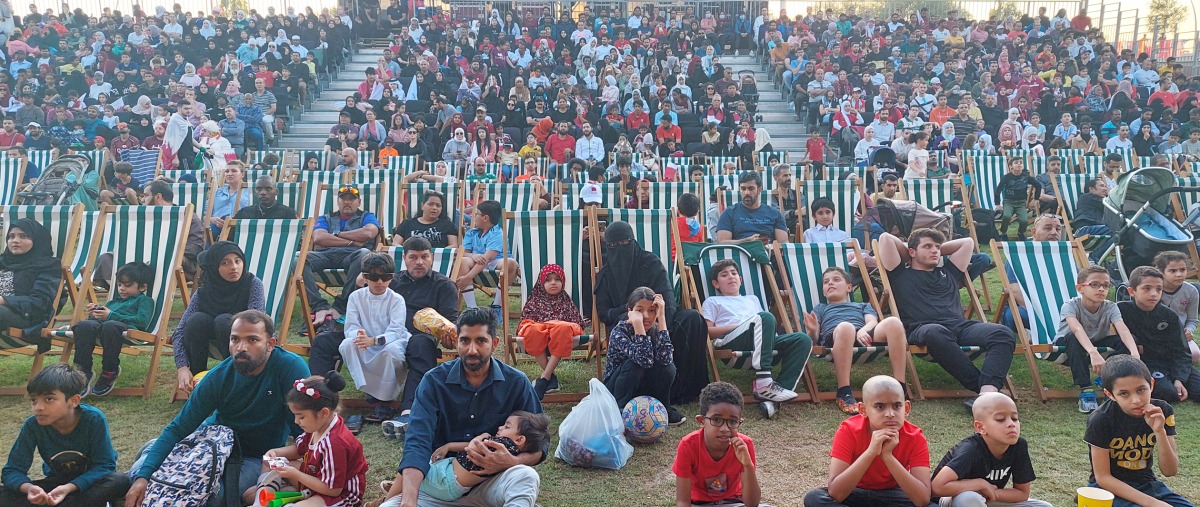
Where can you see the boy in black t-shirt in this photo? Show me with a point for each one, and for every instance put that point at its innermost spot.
(1126, 433)
(1158, 331)
(976, 471)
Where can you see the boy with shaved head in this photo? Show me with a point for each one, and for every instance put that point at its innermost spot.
(878, 458)
(976, 471)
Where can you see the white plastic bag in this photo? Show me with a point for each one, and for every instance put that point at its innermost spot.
(593, 434)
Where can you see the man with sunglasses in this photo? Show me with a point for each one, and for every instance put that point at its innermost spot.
(340, 240)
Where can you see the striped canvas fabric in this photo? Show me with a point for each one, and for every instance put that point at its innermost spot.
(931, 193)
(666, 195)
(365, 176)
(1093, 164)
(404, 164)
(292, 195)
(12, 174)
(652, 229)
(845, 196)
(1126, 154)
(98, 158)
(1046, 271)
(1070, 187)
(1072, 159)
(271, 248)
(985, 176)
(414, 193)
(313, 180)
(256, 156)
(196, 194)
(765, 156)
(197, 175)
(1188, 199)
(144, 163)
(366, 159)
(803, 264)
(42, 158)
(321, 155)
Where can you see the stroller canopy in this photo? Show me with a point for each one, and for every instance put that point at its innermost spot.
(1136, 187)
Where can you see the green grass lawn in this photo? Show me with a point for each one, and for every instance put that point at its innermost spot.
(793, 448)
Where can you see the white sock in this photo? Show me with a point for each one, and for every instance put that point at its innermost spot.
(762, 382)
(469, 298)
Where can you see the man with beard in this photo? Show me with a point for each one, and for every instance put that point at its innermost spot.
(626, 267)
(466, 399)
(267, 205)
(749, 220)
(245, 393)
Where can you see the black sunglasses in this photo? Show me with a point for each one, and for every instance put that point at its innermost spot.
(378, 277)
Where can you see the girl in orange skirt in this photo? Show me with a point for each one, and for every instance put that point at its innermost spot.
(549, 324)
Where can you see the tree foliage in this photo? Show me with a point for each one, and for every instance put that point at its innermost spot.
(1165, 15)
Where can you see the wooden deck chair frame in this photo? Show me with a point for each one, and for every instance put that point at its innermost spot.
(405, 164)
(490, 279)
(312, 206)
(666, 195)
(795, 302)
(694, 296)
(1046, 327)
(1181, 211)
(612, 195)
(166, 278)
(256, 157)
(12, 178)
(837, 191)
(929, 192)
(536, 231)
(976, 308)
(974, 199)
(66, 234)
(1071, 195)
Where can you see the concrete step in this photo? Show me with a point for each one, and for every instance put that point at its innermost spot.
(318, 129)
(327, 118)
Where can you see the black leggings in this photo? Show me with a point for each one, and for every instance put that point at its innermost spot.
(109, 489)
(205, 335)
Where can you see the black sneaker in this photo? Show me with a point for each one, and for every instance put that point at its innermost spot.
(104, 384)
(553, 386)
(539, 387)
(674, 418)
(86, 383)
(379, 414)
(970, 404)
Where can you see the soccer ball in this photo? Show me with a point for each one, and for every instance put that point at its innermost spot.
(645, 420)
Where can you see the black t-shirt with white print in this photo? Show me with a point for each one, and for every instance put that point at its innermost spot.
(971, 459)
(1129, 440)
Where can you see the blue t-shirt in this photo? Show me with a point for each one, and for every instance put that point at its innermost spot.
(476, 243)
(744, 222)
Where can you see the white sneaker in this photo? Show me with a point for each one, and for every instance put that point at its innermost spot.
(769, 409)
(774, 392)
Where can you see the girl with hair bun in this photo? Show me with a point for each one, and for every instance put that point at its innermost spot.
(326, 463)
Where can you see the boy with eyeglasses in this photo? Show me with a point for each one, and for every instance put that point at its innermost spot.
(1083, 327)
(715, 464)
(376, 337)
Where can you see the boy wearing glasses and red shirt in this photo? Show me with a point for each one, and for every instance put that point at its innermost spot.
(376, 337)
(715, 464)
(1083, 326)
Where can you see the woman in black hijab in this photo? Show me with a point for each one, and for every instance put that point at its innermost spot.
(626, 267)
(30, 277)
(226, 288)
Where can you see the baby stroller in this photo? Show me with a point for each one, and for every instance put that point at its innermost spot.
(58, 183)
(1138, 210)
(883, 159)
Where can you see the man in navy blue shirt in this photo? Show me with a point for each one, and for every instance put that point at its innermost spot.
(464, 400)
(749, 220)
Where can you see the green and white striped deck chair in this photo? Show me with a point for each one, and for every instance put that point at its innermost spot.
(252, 175)
(1146, 162)
(200, 175)
(257, 156)
(1035, 165)
(765, 156)
(63, 225)
(652, 228)
(275, 250)
(1068, 188)
(1126, 154)
(512, 198)
(666, 195)
(1072, 159)
(985, 174)
(710, 184)
(845, 195)
(375, 199)
(1019, 153)
(156, 235)
(716, 164)
(1093, 164)
(493, 168)
(612, 195)
(756, 281)
(322, 156)
(543, 168)
(313, 180)
(732, 195)
(1187, 199)
(835, 172)
(366, 159)
(443, 259)
(682, 164)
(543, 238)
(929, 192)
(41, 158)
(12, 176)
(1046, 271)
(802, 265)
(199, 195)
(365, 176)
(98, 158)
(1193, 167)
(634, 157)
(292, 195)
(405, 164)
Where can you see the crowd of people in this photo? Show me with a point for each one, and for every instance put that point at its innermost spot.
(645, 85)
